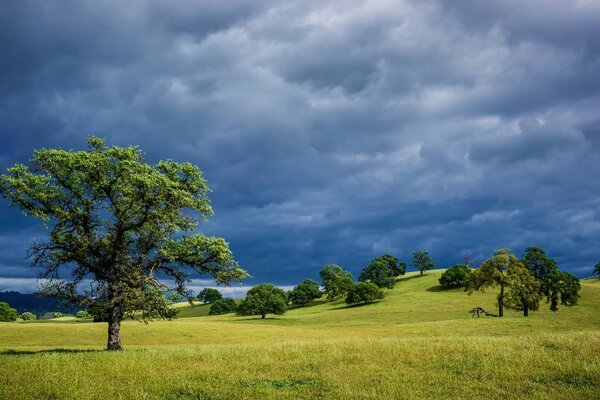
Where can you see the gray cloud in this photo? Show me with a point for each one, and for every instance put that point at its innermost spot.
(329, 131)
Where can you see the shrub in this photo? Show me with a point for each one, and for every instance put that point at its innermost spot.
(222, 306)
(57, 314)
(7, 314)
(27, 316)
(363, 292)
(83, 314)
(455, 276)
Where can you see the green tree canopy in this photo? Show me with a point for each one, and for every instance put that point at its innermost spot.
(336, 281)
(304, 293)
(562, 287)
(537, 263)
(363, 292)
(455, 276)
(492, 273)
(262, 300)
(423, 261)
(524, 290)
(28, 316)
(57, 314)
(222, 306)
(597, 269)
(119, 222)
(209, 295)
(380, 272)
(7, 314)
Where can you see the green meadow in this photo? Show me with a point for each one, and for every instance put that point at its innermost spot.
(419, 342)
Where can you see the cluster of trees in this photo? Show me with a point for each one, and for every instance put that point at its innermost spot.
(524, 282)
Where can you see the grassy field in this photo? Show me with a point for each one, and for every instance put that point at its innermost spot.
(420, 342)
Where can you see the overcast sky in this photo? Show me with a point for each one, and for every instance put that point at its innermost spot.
(329, 131)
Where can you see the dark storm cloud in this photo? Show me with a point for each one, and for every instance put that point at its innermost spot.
(330, 132)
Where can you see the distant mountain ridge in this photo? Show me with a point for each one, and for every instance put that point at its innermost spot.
(36, 304)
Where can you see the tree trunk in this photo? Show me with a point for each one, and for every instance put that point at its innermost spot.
(263, 315)
(421, 272)
(525, 310)
(501, 302)
(115, 315)
(114, 334)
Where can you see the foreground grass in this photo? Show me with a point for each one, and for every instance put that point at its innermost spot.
(420, 342)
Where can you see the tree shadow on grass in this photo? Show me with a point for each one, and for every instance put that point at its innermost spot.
(49, 351)
(355, 305)
(440, 288)
(408, 278)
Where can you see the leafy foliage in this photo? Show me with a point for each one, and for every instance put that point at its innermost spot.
(209, 295)
(28, 316)
(57, 314)
(455, 276)
(363, 292)
(262, 300)
(493, 272)
(82, 314)
(119, 221)
(304, 293)
(562, 287)
(175, 298)
(422, 260)
(379, 273)
(223, 306)
(336, 281)
(597, 269)
(524, 290)
(7, 314)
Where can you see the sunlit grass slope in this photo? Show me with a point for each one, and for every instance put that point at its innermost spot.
(419, 342)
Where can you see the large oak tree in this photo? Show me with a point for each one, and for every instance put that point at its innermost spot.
(116, 226)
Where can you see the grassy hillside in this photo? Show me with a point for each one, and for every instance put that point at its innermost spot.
(420, 342)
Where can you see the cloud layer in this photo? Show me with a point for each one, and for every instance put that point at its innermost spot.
(330, 131)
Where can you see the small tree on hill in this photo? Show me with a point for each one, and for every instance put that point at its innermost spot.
(7, 314)
(28, 316)
(120, 223)
(562, 287)
(209, 295)
(422, 261)
(262, 300)
(363, 292)
(304, 293)
(57, 314)
(493, 272)
(175, 298)
(336, 281)
(223, 306)
(524, 290)
(379, 273)
(455, 276)
(597, 269)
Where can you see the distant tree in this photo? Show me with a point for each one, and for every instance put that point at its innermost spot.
(82, 314)
(304, 293)
(537, 263)
(57, 314)
(556, 286)
(27, 316)
(7, 314)
(363, 292)
(469, 260)
(524, 290)
(455, 276)
(209, 295)
(493, 272)
(423, 261)
(262, 300)
(117, 223)
(562, 287)
(391, 262)
(400, 269)
(336, 281)
(223, 306)
(379, 273)
(175, 298)
(597, 269)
